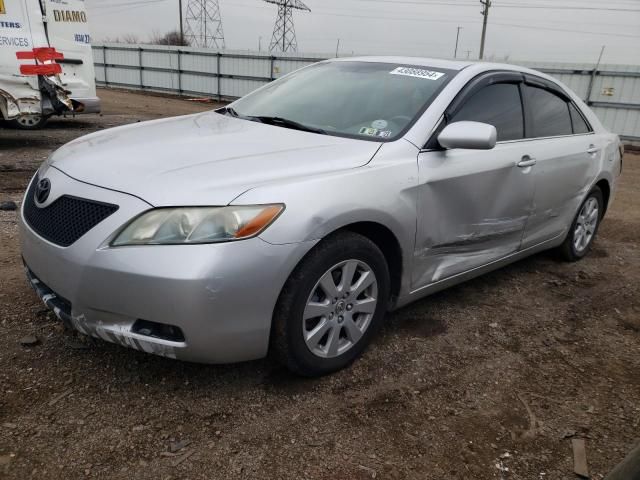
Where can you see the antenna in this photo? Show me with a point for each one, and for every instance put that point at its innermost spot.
(284, 33)
(204, 24)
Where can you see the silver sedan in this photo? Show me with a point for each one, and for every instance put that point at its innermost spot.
(293, 219)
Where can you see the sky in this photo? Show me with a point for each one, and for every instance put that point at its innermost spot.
(518, 30)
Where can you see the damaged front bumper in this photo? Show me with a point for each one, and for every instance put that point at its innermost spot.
(219, 297)
(113, 333)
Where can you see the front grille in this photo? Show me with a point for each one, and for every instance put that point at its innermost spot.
(66, 219)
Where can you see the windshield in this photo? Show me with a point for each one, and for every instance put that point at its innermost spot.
(373, 101)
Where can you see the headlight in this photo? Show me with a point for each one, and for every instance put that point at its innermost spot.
(188, 225)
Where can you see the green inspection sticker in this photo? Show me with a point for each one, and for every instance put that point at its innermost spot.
(372, 132)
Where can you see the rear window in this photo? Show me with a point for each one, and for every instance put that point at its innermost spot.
(549, 112)
(578, 121)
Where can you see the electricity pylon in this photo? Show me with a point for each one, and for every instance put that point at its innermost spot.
(284, 33)
(204, 24)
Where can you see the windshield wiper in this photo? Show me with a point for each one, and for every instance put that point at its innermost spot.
(284, 122)
(277, 121)
(228, 110)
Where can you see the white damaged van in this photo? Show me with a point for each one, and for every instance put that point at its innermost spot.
(46, 64)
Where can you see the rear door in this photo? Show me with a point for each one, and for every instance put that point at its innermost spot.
(68, 31)
(565, 151)
(473, 204)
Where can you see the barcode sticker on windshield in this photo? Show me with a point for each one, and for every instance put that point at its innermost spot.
(417, 72)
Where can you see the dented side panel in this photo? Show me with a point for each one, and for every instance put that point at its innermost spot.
(17, 97)
(472, 210)
(68, 30)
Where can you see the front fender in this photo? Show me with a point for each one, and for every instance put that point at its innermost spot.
(384, 192)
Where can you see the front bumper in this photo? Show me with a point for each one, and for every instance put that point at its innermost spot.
(221, 296)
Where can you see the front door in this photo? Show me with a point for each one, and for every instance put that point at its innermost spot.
(474, 204)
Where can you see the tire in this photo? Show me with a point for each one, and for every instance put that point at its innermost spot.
(573, 248)
(343, 326)
(29, 122)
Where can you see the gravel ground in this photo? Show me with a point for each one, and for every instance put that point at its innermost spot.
(488, 380)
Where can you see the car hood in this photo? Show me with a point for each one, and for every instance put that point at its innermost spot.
(203, 159)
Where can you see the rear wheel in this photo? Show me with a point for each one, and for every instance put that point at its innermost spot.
(584, 227)
(331, 305)
(29, 122)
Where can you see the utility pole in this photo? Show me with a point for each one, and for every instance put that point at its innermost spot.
(337, 48)
(593, 76)
(468, 53)
(486, 4)
(259, 44)
(455, 53)
(181, 26)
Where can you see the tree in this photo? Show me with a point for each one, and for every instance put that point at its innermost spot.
(126, 38)
(130, 38)
(170, 38)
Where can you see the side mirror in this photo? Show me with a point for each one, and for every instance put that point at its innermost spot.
(471, 135)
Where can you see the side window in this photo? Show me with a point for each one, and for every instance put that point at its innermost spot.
(549, 113)
(577, 120)
(498, 105)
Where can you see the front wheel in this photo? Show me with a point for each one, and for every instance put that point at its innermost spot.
(584, 227)
(331, 305)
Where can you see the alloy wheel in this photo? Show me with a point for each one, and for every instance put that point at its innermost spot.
(586, 225)
(340, 308)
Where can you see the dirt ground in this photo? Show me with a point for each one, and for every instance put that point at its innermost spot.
(488, 380)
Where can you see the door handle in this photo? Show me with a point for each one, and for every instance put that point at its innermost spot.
(526, 161)
(592, 149)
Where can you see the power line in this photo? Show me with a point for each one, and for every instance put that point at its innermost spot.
(421, 20)
(456, 19)
(565, 7)
(120, 9)
(590, 32)
(125, 4)
(501, 5)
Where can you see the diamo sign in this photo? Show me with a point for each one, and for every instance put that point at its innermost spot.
(69, 16)
(2, 6)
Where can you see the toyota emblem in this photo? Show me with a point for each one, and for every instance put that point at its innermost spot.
(42, 190)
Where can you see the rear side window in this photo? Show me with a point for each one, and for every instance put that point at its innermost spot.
(579, 124)
(549, 113)
(498, 105)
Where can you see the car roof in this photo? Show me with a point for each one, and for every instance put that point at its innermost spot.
(419, 61)
(457, 65)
